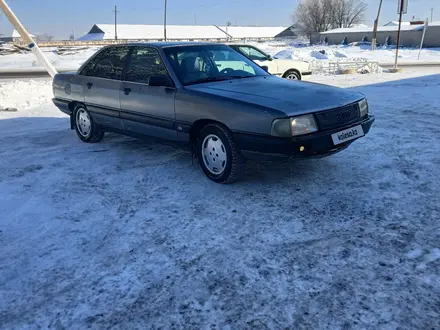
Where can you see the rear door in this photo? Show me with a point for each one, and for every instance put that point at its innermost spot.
(147, 110)
(102, 83)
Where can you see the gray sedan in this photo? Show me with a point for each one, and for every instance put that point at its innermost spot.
(209, 96)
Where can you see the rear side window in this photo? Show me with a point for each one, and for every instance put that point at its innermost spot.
(109, 64)
(144, 63)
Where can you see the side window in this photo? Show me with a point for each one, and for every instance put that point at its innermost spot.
(144, 62)
(108, 64)
(253, 54)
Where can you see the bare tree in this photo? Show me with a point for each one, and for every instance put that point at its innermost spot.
(45, 37)
(314, 15)
(348, 12)
(322, 15)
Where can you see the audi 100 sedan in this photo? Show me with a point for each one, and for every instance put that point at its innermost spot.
(211, 97)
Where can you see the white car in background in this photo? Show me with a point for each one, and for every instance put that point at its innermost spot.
(289, 69)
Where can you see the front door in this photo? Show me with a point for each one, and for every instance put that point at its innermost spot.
(102, 83)
(147, 110)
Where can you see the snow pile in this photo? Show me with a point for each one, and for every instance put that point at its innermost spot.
(320, 55)
(24, 95)
(67, 60)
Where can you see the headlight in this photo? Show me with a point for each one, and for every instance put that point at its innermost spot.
(294, 126)
(363, 106)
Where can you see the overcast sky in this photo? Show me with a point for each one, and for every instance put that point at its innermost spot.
(59, 17)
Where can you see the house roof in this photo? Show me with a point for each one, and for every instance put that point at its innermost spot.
(391, 28)
(156, 32)
(392, 23)
(15, 34)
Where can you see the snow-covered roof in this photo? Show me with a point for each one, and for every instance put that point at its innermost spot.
(379, 29)
(15, 34)
(396, 23)
(253, 31)
(136, 32)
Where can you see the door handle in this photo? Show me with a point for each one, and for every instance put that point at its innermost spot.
(89, 85)
(127, 91)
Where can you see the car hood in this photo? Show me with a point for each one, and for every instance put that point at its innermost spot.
(289, 96)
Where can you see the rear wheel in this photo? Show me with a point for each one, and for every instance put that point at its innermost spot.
(292, 75)
(85, 127)
(219, 156)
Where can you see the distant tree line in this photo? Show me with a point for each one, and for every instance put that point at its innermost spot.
(323, 15)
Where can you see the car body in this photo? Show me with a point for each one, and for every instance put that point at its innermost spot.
(178, 92)
(285, 68)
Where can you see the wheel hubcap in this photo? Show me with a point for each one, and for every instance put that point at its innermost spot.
(83, 123)
(292, 76)
(214, 154)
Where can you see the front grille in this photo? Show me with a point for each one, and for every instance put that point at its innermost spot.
(338, 117)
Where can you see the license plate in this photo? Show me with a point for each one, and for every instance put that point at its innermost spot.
(348, 134)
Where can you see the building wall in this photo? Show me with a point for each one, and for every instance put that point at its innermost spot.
(410, 38)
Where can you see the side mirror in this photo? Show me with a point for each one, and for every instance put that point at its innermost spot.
(269, 58)
(161, 80)
(265, 68)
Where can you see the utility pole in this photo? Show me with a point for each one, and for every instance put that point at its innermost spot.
(376, 23)
(165, 22)
(116, 21)
(401, 10)
(27, 38)
(432, 13)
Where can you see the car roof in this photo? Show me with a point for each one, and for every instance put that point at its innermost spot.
(165, 44)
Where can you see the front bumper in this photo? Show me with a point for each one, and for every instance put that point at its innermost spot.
(313, 145)
(306, 75)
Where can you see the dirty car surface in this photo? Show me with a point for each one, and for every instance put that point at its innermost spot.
(211, 97)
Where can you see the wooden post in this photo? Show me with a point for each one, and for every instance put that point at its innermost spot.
(376, 23)
(398, 33)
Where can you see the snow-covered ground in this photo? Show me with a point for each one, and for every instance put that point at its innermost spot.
(382, 54)
(65, 61)
(129, 234)
(71, 60)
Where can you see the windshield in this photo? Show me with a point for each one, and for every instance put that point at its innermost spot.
(205, 63)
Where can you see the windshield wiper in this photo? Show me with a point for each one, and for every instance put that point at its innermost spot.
(241, 77)
(212, 79)
(208, 79)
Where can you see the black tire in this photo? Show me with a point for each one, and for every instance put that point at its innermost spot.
(95, 134)
(292, 73)
(234, 167)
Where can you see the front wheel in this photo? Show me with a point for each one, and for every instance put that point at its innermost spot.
(218, 155)
(292, 75)
(85, 127)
